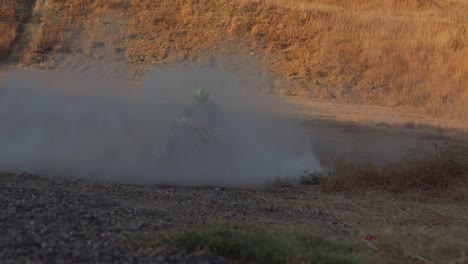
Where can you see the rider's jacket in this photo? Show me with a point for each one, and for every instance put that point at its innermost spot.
(207, 112)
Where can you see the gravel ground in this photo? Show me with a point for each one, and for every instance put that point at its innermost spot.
(56, 221)
(45, 220)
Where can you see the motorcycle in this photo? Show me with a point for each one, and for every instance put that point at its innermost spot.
(191, 137)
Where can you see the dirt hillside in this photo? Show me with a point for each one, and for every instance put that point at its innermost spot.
(398, 52)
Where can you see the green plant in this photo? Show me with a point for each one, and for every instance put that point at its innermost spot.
(253, 245)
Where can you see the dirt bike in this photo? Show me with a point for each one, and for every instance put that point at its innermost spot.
(191, 137)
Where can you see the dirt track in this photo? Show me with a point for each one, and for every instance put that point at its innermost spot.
(362, 132)
(365, 133)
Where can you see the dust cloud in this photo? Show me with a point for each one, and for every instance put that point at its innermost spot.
(79, 126)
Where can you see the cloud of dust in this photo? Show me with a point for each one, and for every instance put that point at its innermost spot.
(64, 125)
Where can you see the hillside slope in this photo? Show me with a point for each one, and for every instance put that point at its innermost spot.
(398, 52)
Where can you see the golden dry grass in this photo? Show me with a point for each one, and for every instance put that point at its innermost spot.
(8, 35)
(398, 52)
(12, 14)
(384, 52)
(49, 34)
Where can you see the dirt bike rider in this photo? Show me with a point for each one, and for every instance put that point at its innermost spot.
(206, 110)
(204, 119)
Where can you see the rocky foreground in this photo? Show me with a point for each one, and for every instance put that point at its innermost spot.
(44, 220)
(62, 221)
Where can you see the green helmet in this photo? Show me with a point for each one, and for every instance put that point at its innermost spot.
(200, 95)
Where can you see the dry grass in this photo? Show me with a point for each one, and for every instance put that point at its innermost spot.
(398, 52)
(8, 35)
(62, 21)
(384, 52)
(12, 14)
(50, 34)
(441, 174)
(410, 244)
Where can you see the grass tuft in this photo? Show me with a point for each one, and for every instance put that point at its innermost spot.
(253, 245)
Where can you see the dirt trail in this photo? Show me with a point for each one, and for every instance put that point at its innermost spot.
(373, 115)
(363, 133)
